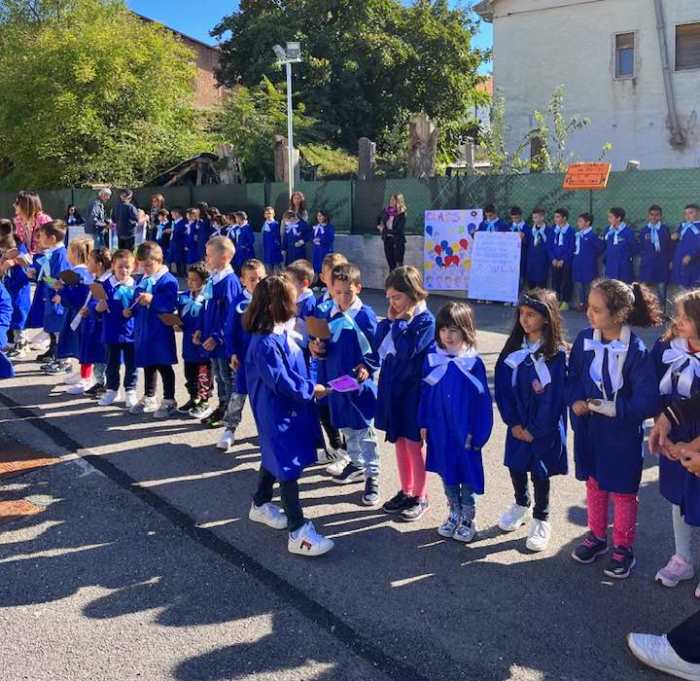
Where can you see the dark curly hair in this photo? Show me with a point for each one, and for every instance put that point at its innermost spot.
(635, 302)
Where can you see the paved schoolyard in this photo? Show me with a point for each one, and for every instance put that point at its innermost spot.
(143, 564)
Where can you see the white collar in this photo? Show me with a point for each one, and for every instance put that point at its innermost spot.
(656, 225)
(588, 230)
(464, 352)
(246, 295)
(564, 228)
(305, 296)
(351, 311)
(279, 329)
(114, 282)
(221, 274)
(104, 277)
(157, 276)
(420, 308)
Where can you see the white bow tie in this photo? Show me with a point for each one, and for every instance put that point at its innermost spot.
(685, 364)
(515, 359)
(617, 351)
(440, 362)
(387, 346)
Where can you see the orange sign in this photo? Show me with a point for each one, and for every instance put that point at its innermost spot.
(587, 176)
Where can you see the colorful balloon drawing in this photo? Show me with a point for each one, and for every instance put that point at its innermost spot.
(429, 229)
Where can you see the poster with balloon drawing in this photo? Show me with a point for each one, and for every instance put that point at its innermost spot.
(447, 250)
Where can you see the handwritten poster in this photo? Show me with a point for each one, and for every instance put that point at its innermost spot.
(495, 267)
(447, 253)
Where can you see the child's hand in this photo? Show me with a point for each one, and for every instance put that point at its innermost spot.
(209, 344)
(57, 285)
(675, 236)
(56, 300)
(580, 408)
(317, 347)
(424, 434)
(519, 433)
(234, 363)
(145, 299)
(128, 314)
(675, 450)
(101, 306)
(686, 260)
(361, 373)
(320, 391)
(691, 462)
(84, 312)
(197, 337)
(298, 244)
(31, 273)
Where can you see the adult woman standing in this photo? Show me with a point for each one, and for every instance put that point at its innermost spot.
(29, 216)
(297, 204)
(392, 226)
(157, 204)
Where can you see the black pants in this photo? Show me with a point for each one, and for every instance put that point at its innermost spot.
(685, 639)
(198, 380)
(394, 250)
(126, 242)
(562, 283)
(335, 439)
(116, 354)
(522, 493)
(167, 373)
(289, 493)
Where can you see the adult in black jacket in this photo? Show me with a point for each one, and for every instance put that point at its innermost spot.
(96, 222)
(677, 653)
(126, 218)
(392, 226)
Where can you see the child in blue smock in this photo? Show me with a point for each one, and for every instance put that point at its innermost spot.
(282, 397)
(404, 340)
(323, 239)
(197, 365)
(301, 273)
(685, 269)
(243, 238)
(620, 247)
(587, 249)
(177, 254)
(272, 240)
(655, 251)
(294, 237)
(118, 329)
(222, 288)
(205, 230)
(192, 236)
(530, 381)
(163, 232)
(537, 244)
(677, 359)
(456, 417)
(611, 390)
(237, 340)
(491, 221)
(6, 368)
(351, 351)
(154, 340)
(16, 281)
(519, 226)
(561, 255)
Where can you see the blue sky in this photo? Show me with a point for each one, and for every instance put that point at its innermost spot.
(198, 18)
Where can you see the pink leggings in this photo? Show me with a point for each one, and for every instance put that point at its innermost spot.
(624, 517)
(411, 463)
(85, 371)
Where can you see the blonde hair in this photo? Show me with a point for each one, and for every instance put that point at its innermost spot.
(400, 203)
(222, 244)
(80, 249)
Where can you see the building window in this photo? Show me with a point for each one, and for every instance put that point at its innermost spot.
(688, 46)
(624, 55)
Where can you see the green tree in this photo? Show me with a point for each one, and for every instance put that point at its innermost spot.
(366, 64)
(91, 94)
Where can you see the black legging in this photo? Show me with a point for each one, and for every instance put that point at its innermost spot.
(394, 249)
(167, 373)
(289, 494)
(685, 639)
(522, 493)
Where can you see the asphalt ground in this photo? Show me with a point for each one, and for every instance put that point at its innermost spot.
(142, 563)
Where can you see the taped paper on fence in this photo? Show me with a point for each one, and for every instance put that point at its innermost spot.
(344, 384)
(318, 328)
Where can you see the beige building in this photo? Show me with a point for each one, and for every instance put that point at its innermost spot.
(639, 84)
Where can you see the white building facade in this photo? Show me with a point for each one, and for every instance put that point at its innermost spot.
(631, 66)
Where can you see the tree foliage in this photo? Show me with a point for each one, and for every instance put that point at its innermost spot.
(91, 94)
(367, 65)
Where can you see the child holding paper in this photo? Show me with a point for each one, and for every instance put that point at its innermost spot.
(351, 352)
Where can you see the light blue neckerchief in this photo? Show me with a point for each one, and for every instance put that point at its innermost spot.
(517, 227)
(192, 306)
(616, 233)
(347, 321)
(539, 234)
(689, 226)
(146, 284)
(44, 262)
(208, 290)
(159, 233)
(654, 236)
(559, 233)
(579, 238)
(124, 294)
(243, 305)
(491, 225)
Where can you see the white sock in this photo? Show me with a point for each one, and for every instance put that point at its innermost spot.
(683, 535)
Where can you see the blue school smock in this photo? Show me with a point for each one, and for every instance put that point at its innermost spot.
(352, 343)
(178, 242)
(154, 341)
(562, 244)
(54, 314)
(676, 365)
(190, 310)
(116, 328)
(282, 400)
(192, 242)
(204, 232)
(92, 347)
(6, 368)
(610, 449)
(323, 238)
(456, 410)
(688, 243)
(402, 346)
(587, 249)
(655, 250)
(619, 256)
(293, 233)
(496, 225)
(521, 228)
(237, 338)
(73, 298)
(219, 293)
(162, 236)
(272, 244)
(19, 287)
(243, 239)
(538, 261)
(539, 408)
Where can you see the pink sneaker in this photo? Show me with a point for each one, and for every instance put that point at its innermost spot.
(677, 571)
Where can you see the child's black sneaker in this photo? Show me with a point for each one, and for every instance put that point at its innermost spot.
(185, 408)
(201, 410)
(590, 549)
(621, 563)
(370, 497)
(397, 503)
(415, 511)
(216, 418)
(96, 390)
(351, 473)
(47, 356)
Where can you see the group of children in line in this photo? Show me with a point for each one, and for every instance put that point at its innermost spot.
(329, 365)
(568, 259)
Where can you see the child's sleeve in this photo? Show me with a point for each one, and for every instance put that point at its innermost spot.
(505, 396)
(282, 380)
(483, 422)
(660, 368)
(639, 399)
(368, 326)
(424, 403)
(247, 238)
(328, 238)
(549, 405)
(575, 389)
(165, 298)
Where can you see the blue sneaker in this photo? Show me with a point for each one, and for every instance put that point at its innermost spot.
(590, 549)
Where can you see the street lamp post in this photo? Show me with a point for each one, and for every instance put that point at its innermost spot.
(287, 57)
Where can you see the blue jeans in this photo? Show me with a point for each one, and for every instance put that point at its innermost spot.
(461, 497)
(362, 449)
(225, 378)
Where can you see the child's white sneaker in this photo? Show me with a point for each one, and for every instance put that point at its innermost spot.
(268, 514)
(307, 542)
(338, 466)
(39, 342)
(538, 535)
(514, 518)
(167, 409)
(447, 529)
(656, 652)
(131, 399)
(79, 388)
(148, 405)
(465, 532)
(110, 397)
(73, 378)
(226, 441)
